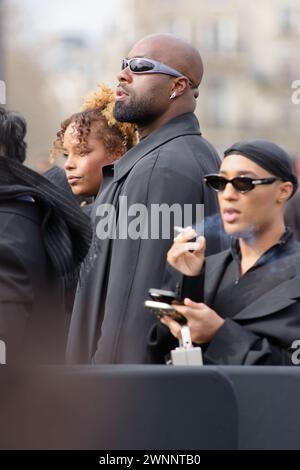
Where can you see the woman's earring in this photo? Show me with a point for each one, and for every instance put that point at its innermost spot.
(173, 95)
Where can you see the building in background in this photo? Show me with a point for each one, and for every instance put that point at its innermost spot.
(251, 57)
(250, 52)
(47, 76)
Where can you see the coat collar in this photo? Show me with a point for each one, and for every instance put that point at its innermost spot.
(186, 124)
(214, 269)
(272, 301)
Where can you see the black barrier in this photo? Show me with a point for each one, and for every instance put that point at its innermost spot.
(269, 406)
(117, 407)
(150, 407)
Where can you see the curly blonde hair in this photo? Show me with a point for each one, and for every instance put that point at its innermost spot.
(97, 115)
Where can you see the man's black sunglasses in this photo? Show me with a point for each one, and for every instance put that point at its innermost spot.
(243, 184)
(143, 65)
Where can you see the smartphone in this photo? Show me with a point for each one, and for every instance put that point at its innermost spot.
(163, 308)
(166, 296)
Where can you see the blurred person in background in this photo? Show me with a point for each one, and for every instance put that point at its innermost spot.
(44, 236)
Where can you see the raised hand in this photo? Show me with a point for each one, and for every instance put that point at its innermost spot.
(186, 256)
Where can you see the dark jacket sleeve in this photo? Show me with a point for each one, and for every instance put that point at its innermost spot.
(16, 296)
(172, 186)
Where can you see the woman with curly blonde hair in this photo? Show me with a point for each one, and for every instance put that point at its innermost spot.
(92, 139)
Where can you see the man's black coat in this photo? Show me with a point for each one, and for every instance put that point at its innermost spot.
(109, 322)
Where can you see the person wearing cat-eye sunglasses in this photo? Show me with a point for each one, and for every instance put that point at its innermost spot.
(242, 184)
(250, 303)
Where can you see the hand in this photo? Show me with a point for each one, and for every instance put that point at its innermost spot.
(180, 257)
(202, 321)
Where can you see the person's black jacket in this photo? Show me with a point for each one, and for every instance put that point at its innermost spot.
(263, 332)
(109, 322)
(43, 237)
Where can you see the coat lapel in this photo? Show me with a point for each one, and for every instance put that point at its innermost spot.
(273, 301)
(186, 124)
(214, 269)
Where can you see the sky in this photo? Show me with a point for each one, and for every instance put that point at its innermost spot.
(89, 17)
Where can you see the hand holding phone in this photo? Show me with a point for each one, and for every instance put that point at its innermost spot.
(161, 308)
(162, 304)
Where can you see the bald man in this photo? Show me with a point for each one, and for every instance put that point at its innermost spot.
(157, 91)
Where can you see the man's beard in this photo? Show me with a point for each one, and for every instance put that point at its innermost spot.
(135, 112)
